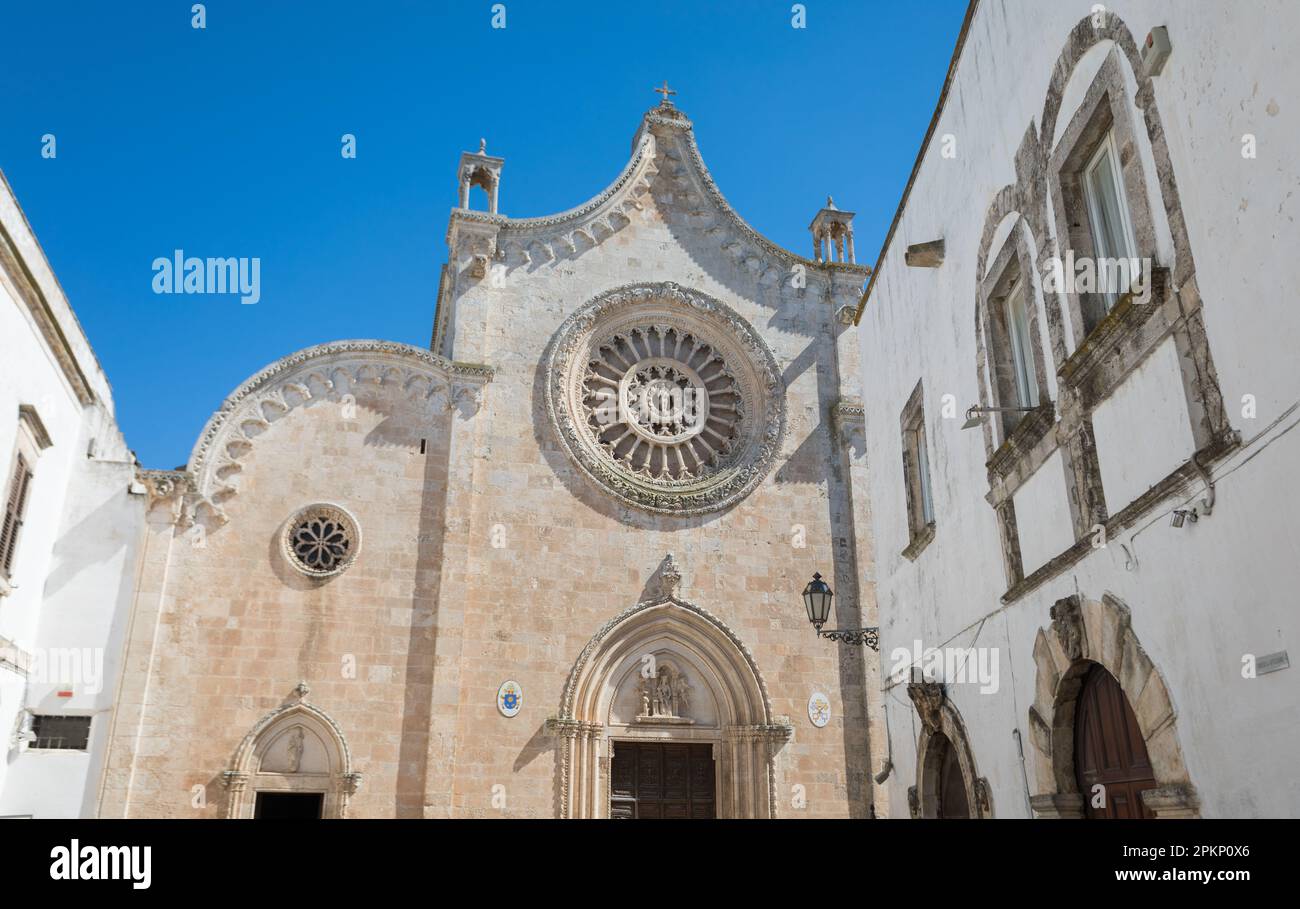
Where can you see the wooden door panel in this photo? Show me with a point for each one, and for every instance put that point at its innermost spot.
(662, 780)
(1109, 749)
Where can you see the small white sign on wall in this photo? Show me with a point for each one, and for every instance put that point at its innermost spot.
(819, 709)
(510, 698)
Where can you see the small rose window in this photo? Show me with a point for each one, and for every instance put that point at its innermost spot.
(321, 540)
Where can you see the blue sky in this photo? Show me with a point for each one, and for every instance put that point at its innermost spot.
(226, 142)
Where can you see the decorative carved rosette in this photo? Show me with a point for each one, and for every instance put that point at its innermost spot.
(666, 398)
(321, 541)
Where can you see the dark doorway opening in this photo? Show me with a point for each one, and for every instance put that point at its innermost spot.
(275, 806)
(653, 780)
(953, 802)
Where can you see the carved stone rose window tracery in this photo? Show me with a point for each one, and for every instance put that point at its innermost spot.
(321, 540)
(666, 397)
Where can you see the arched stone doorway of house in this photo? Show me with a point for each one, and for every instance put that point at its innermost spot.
(1080, 722)
(667, 695)
(948, 784)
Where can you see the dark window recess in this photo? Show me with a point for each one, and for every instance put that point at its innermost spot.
(68, 733)
(15, 505)
(282, 806)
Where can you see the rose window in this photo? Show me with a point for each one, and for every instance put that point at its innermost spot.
(662, 402)
(321, 540)
(666, 398)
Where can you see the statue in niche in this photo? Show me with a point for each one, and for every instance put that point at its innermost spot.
(665, 696)
(296, 748)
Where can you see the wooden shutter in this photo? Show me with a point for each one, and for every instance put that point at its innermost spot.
(14, 505)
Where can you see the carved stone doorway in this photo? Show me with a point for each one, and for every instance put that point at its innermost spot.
(662, 780)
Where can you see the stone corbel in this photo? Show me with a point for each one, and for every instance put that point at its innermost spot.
(1067, 624)
(170, 492)
(928, 698)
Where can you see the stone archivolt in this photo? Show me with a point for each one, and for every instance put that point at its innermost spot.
(666, 398)
(327, 372)
(747, 735)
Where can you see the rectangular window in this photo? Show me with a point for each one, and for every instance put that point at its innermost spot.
(61, 733)
(916, 471)
(1108, 216)
(15, 506)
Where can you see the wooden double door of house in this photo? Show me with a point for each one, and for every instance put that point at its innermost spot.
(1109, 750)
(662, 780)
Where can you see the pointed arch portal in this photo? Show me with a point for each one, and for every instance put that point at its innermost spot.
(667, 673)
(296, 749)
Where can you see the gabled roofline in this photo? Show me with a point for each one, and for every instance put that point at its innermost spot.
(658, 116)
(920, 155)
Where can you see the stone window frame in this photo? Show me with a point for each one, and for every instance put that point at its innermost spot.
(32, 439)
(1014, 261)
(1103, 360)
(1105, 113)
(917, 474)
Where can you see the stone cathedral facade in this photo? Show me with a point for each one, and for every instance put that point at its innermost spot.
(550, 566)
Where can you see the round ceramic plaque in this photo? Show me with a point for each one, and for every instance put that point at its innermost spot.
(819, 709)
(510, 698)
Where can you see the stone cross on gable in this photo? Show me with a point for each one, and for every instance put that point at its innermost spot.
(666, 91)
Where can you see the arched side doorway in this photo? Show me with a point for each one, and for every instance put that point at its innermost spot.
(666, 695)
(1079, 725)
(293, 763)
(948, 784)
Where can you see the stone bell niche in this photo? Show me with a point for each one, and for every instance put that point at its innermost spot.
(663, 690)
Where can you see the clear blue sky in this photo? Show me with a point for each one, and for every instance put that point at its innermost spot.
(225, 142)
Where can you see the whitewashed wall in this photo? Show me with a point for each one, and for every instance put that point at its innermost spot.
(75, 562)
(1201, 596)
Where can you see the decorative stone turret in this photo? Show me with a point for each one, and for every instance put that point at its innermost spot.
(480, 169)
(833, 228)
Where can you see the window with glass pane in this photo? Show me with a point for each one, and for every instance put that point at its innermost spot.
(1112, 232)
(1022, 362)
(67, 733)
(923, 478)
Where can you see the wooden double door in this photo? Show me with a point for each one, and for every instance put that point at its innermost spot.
(662, 780)
(1109, 750)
